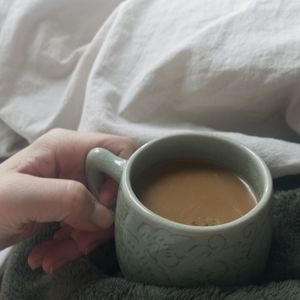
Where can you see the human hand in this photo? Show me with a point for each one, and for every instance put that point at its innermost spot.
(45, 182)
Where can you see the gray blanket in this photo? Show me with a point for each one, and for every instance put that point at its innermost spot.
(98, 277)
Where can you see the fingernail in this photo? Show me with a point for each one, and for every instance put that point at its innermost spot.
(33, 265)
(48, 269)
(102, 216)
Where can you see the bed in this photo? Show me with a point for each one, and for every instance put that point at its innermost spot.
(150, 68)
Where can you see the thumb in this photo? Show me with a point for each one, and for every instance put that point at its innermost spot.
(44, 200)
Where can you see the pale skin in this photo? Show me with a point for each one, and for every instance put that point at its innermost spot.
(45, 183)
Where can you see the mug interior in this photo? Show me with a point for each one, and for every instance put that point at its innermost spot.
(208, 148)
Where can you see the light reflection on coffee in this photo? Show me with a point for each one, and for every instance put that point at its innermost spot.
(194, 193)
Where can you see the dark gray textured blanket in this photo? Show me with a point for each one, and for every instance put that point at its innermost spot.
(97, 276)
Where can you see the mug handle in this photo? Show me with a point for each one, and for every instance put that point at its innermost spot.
(99, 162)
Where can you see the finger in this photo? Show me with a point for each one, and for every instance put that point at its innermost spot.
(62, 233)
(88, 241)
(61, 153)
(108, 193)
(43, 200)
(59, 254)
(36, 255)
(62, 253)
(66, 251)
(53, 254)
(70, 149)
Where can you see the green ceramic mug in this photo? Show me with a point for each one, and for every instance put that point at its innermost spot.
(155, 250)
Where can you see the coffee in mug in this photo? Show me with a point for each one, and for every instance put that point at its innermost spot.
(194, 193)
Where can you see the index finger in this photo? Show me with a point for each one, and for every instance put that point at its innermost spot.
(61, 153)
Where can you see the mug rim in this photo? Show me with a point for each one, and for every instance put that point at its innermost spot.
(155, 218)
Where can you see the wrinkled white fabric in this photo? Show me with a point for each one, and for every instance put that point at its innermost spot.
(150, 68)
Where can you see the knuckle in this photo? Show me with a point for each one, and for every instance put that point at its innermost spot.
(11, 185)
(131, 142)
(128, 143)
(78, 200)
(51, 141)
(56, 132)
(6, 188)
(52, 135)
(120, 145)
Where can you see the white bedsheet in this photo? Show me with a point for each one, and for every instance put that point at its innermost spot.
(151, 68)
